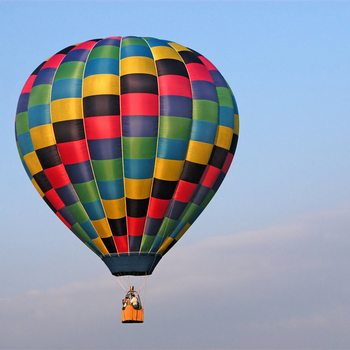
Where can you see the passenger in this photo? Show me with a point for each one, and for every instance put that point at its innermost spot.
(126, 302)
(134, 302)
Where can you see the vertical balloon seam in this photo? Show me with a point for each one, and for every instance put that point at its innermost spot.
(88, 148)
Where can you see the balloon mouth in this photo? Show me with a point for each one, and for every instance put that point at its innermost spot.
(134, 264)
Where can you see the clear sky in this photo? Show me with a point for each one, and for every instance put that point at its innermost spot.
(267, 264)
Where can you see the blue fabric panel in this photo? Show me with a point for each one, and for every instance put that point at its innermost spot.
(113, 189)
(93, 247)
(176, 106)
(204, 90)
(67, 216)
(45, 76)
(66, 88)
(103, 65)
(176, 210)
(103, 149)
(152, 42)
(89, 229)
(172, 148)
(226, 116)
(27, 170)
(135, 50)
(203, 131)
(22, 105)
(235, 105)
(138, 168)
(200, 194)
(76, 55)
(25, 143)
(218, 79)
(112, 42)
(135, 126)
(180, 225)
(39, 115)
(218, 181)
(94, 210)
(67, 194)
(156, 244)
(152, 226)
(134, 243)
(80, 172)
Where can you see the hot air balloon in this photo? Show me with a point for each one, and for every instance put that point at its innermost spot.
(127, 139)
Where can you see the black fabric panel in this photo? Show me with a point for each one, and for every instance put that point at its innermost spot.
(192, 172)
(218, 157)
(137, 208)
(170, 246)
(65, 50)
(172, 67)
(190, 57)
(37, 69)
(118, 226)
(138, 83)
(49, 204)
(69, 130)
(109, 243)
(101, 105)
(234, 144)
(48, 156)
(163, 189)
(42, 181)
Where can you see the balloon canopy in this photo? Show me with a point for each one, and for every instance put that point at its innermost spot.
(127, 140)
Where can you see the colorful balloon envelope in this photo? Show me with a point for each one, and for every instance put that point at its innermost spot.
(127, 140)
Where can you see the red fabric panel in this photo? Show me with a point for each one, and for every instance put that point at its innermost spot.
(88, 45)
(73, 152)
(210, 175)
(174, 85)
(207, 63)
(57, 176)
(102, 127)
(135, 225)
(139, 104)
(227, 163)
(63, 220)
(198, 71)
(54, 199)
(184, 191)
(54, 61)
(29, 84)
(158, 207)
(121, 243)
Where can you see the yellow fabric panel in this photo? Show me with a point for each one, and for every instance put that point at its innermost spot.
(199, 152)
(138, 189)
(167, 169)
(102, 227)
(42, 136)
(224, 137)
(101, 84)
(37, 187)
(114, 209)
(161, 52)
(179, 47)
(165, 245)
(100, 245)
(182, 232)
(33, 163)
(236, 124)
(137, 64)
(66, 109)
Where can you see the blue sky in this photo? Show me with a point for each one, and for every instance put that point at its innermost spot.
(265, 266)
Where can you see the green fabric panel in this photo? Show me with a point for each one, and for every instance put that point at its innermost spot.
(147, 242)
(139, 147)
(22, 124)
(133, 41)
(104, 51)
(40, 95)
(189, 211)
(166, 227)
(78, 212)
(208, 198)
(175, 128)
(206, 110)
(225, 97)
(82, 234)
(87, 191)
(73, 69)
(106, 170)
(19, 151)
